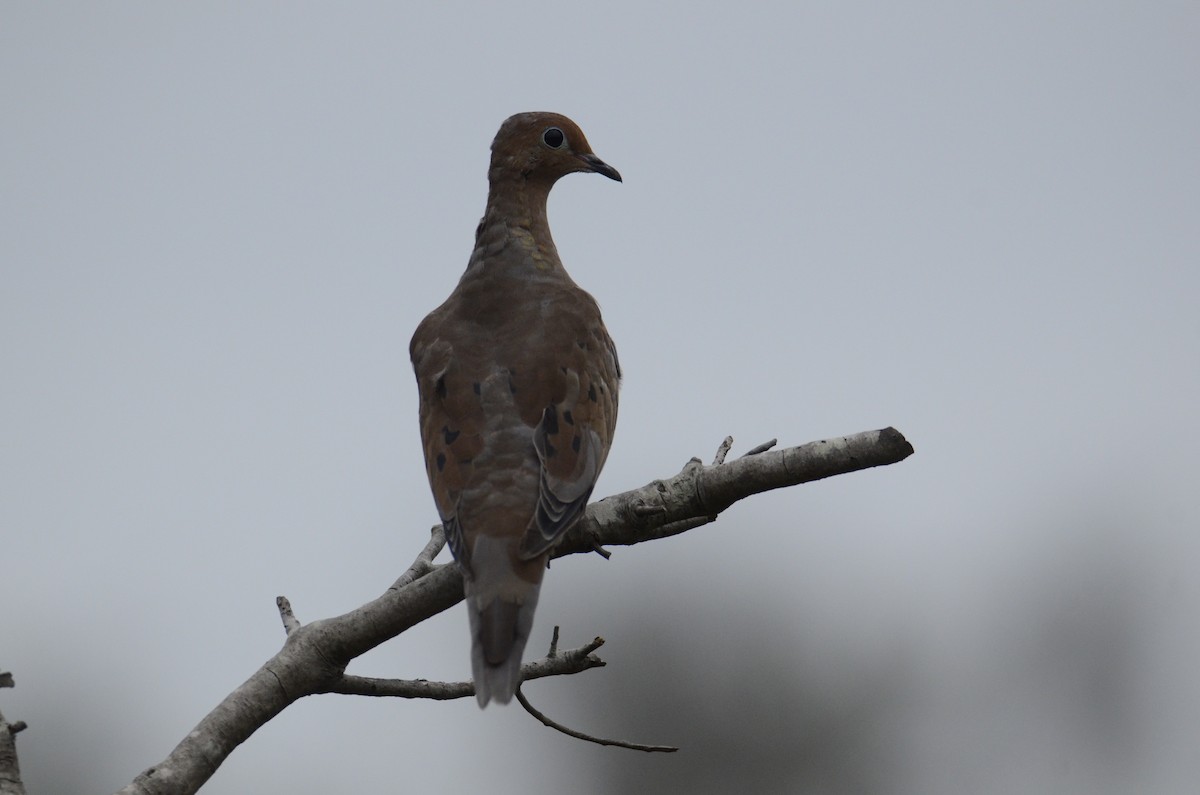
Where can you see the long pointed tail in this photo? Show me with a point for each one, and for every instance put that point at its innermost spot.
(499, 631)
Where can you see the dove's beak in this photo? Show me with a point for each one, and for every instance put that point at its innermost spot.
(593, 163)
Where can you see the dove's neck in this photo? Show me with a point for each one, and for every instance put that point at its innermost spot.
(515, 221)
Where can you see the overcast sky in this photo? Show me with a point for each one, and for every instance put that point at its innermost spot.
(979, 223)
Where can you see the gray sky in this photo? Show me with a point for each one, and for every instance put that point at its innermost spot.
(221, 223)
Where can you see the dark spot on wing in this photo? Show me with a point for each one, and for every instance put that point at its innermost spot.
(567, 418)
(441, 461)
(440, 387)
(575, 443)
(449, 435)
(476, 387)
(592, 392)
(550, 421)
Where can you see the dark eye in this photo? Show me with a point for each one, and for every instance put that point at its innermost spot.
(554, 138)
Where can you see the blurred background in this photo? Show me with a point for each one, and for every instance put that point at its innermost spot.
(975, 222)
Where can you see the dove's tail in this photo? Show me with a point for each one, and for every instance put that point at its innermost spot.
(501, 600)
(498, 636)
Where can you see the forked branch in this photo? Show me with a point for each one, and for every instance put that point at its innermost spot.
(315, 655)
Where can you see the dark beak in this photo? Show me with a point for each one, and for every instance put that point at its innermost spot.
(593, 163)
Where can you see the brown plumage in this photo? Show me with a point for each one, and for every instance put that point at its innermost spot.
(518, 381)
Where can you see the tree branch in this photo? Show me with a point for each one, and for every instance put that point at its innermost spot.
(562, 663)
(10, 768)
(314, 656)
(578, 735)
(698, 494)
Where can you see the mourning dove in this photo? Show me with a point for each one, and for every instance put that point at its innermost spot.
(518, 382)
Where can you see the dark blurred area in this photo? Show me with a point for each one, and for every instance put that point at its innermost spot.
(1031, 680)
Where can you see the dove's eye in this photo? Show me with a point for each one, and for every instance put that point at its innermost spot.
(554, 138)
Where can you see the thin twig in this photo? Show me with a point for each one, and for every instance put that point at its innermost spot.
(589, 738)
(723, 451)
(350, 685)
(600, 550)
(424, 562)
(290, 622)
(762, 448)
(557, 663)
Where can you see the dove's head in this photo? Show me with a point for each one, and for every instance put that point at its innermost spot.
(543, 147)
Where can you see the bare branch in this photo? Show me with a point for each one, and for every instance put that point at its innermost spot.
(315, 655)
(402, 688)
(424, 562)
(698, 494)
(722, 451)
(589, 738)
(762, 448)
(290, 622)
(563, 663)
(10, 767)
(600, 550)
